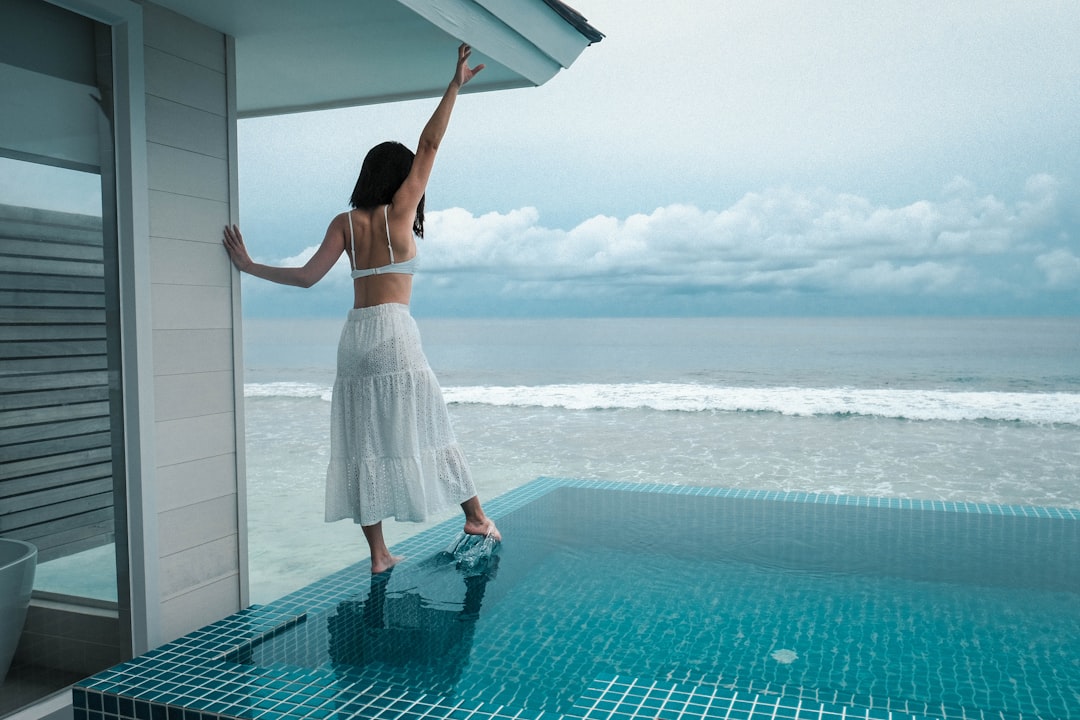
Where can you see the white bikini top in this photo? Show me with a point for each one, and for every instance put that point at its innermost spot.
(406, 267)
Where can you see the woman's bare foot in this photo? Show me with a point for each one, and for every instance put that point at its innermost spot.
(486, 527)
(381, 559)
(476, 522)
(384, 562)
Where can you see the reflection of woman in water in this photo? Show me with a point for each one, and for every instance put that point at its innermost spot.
(406, 629)
(393, 451)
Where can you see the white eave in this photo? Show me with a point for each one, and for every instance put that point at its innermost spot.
(298, 55)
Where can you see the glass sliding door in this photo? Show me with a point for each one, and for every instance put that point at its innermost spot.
(62, 478)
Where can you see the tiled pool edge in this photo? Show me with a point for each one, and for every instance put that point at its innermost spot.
(546, 484)
(435, 538)
(292, 695)
(193, 678)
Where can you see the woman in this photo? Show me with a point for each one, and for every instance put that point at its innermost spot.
(393, 451)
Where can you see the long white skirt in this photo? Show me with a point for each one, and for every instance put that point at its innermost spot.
(392, 450)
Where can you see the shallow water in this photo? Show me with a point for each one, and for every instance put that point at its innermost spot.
(968, 410)
(929, 611)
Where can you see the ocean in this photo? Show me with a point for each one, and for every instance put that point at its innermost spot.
(977, 410)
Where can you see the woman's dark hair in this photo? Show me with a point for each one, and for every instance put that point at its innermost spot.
(385, 167)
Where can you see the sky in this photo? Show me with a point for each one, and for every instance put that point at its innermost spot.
(727, 158)
(749, 157)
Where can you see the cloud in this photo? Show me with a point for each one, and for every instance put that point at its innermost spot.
(779, 239)
(777, 243)
(1061, 267)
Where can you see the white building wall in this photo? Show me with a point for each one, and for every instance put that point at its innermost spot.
(191, 181)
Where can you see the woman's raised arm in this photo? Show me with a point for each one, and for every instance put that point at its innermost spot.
(407, 198)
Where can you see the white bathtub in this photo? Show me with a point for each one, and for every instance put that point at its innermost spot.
(18, 560)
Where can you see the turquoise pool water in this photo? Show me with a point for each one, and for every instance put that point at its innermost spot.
(797, 605)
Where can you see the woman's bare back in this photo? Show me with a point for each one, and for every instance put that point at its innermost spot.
(369, 233)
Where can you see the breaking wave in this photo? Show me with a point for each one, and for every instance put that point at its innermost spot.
(909, 404)
(288, 390)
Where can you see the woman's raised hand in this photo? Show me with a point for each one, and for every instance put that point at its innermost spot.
(464, 73)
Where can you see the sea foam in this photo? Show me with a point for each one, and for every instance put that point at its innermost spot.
(288, 390)
(1038, 408)
(909, 404)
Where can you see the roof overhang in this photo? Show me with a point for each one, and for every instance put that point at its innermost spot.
(294, 55)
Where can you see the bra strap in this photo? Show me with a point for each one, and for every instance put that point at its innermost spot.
(352, 238)
(387, 220)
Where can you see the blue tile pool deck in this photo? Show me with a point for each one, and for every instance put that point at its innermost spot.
(247, 665)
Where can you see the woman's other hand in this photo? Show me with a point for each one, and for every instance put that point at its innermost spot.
(464, 73)
(234, 243)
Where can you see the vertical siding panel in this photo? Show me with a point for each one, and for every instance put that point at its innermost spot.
(187, 262)
(184, 172)
(182, 217)
(194, 395)
(237, 341)
(194, 525)
(200, 606)
(187, 568)
(193, 351)
(183, 484)
(174, 78)
(188, 155)
(183, 37)
(190, 307)
(180, 126)
(189, 439)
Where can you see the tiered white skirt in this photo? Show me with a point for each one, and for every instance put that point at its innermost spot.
(393, 452)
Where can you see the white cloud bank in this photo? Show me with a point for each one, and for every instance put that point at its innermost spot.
(1062, 268)
(779, 241)
(775, 240)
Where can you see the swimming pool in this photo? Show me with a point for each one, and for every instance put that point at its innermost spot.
(611, 600)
